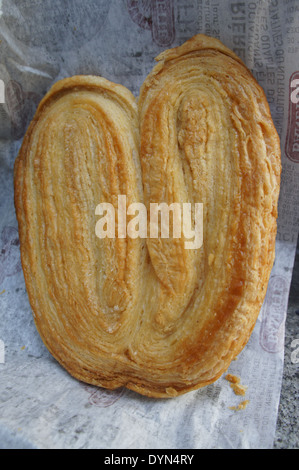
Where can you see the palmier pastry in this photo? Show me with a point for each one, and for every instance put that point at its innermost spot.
(147, 313)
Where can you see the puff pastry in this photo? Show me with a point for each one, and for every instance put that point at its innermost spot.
(148, 314)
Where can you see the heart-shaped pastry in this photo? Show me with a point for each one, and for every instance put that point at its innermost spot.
(149, 314)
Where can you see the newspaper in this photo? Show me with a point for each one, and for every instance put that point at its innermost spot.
(42, 41)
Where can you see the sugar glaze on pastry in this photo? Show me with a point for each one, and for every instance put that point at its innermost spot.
(148, 314)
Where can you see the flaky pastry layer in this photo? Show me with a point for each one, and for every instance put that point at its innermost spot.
(149, 314)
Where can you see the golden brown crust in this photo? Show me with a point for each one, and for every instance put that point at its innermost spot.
(150, 315)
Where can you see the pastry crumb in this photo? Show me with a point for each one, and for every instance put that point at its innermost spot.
(235, 384)
(241, 406)
(239, 389)
(234, 379)
(2, 292)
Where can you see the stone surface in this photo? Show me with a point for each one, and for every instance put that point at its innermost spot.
(287, 430)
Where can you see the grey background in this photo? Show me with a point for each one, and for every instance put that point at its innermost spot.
(287, 430)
